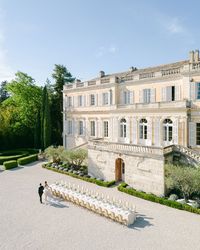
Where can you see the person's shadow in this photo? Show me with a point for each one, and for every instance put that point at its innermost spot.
(141, 222)
(55, 202)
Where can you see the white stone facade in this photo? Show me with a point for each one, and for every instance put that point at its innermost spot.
(153, 107)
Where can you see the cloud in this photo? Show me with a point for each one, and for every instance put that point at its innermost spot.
(102, 51)
(6, 73)
(174, 26)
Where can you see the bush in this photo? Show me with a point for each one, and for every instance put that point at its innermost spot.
(10, 164)
(173, 197)
(28, 159)
(11, 155)
(88, 179)
(154, 198)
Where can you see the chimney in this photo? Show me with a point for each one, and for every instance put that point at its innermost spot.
(196, 56)
(191, 56)
(101, 74)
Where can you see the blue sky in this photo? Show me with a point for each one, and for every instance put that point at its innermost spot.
(89, 36)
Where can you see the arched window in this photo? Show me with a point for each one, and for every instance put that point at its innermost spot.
(167, 130)
(123, 128)
(143, 129)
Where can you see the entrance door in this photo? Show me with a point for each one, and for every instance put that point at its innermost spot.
(119, 170)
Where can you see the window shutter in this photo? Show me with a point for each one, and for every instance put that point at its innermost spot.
(131, 97)
(149, 132)
(153, 95)
(96, 100)
(84, 100)
(134, 130)
(128, 130)
(121, 97)
(157, 132)
(128, 97)
(164, 94)
(193, 90)
(84, 127)
(169, 94)
(88, 100)
(141, 96)
(192, 134)
(100, 99)
(177, 93)
(175, 132)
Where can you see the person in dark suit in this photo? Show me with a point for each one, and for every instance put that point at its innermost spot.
(40, 192)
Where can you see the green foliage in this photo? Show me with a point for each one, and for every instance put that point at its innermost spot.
(3, 92)
(75, 157)
(154, 198)
(27, 159)
(185, 179)
(10, 164)
(92, 180)
(54, 153)
(11, 155)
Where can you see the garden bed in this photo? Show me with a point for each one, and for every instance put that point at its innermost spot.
(151, 197)
(79, 174)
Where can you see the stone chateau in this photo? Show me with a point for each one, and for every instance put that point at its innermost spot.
(131, 120)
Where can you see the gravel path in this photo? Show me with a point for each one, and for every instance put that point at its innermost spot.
(27, 224)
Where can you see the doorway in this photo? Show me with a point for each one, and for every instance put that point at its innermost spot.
(119, 170)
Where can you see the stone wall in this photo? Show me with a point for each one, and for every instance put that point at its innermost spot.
(141, 172)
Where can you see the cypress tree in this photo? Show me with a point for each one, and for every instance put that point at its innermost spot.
(37, 132)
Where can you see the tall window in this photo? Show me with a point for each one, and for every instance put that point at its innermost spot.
(69, 127)
(69, 101)
(126, 97)
(80, 128)
(167, 130)
(105, 128)
(146, 95)
(105, 98)
(143, 129)
(198, 90)
(92, 128)
(80, 100)
(92, 99)
(197, 133)
(123, 128)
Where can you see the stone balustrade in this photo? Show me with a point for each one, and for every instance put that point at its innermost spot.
(125, 148)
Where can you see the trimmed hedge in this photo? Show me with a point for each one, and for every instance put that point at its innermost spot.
(154, 198)
(10, 164)
(27, 159)
(98, 182)
(12, 155)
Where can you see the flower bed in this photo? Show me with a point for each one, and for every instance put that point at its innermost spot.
(154, 198)
(84, 178)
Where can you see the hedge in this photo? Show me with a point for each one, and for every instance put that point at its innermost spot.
(154, 198)
(12, 155)
(10, 164)
(98, 182)
(27, 159)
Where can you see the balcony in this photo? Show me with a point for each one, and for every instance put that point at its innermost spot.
(122, 148)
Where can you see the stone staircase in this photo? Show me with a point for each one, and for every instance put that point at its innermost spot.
(182, 154)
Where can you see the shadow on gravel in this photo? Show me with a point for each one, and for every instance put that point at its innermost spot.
(15, 169)
(55, 203)
(141, 221)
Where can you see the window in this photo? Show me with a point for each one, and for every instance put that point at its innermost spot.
(69, 127)
(167, 130)
(80, 100)
(198, 90)
(197, 133)
(105, 128)
(92, 99)
(105, 98)
(173, 93)
(80, 128)
(92, 128)
(143, 129)
(69, 101)
(146, 95)
(123, 128)
(126, 97)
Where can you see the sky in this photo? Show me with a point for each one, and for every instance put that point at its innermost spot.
(89, 36)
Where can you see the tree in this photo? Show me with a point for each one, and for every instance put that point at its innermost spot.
(3, 91)
(46, 121)
(74, 157)
(61, 76)
(54, 153)
(183, 178)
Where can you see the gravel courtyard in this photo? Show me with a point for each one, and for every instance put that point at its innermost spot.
(27, 224)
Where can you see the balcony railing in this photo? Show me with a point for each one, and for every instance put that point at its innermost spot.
(124, 148)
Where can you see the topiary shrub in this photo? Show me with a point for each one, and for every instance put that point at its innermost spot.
(10, 164)
(28, 159)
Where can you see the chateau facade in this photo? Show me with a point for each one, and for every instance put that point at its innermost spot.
(135, 113)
